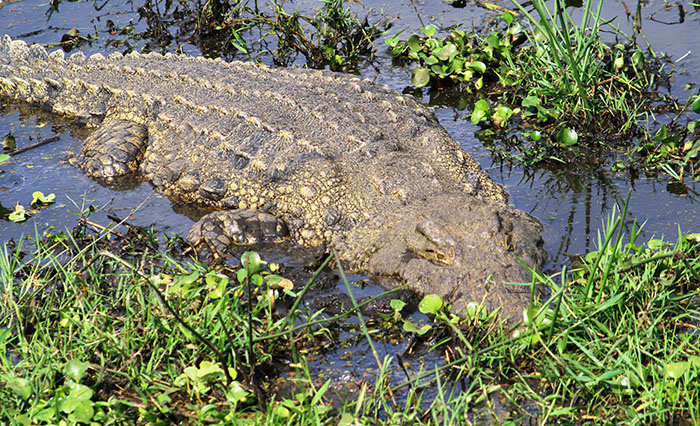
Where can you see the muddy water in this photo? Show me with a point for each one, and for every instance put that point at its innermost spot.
(570, 205)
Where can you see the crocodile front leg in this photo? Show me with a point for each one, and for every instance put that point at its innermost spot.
(216, 233)
(115, 149)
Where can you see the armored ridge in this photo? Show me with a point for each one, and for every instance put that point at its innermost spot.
(326, 157)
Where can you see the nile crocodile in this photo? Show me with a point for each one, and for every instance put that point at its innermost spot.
(326, 158)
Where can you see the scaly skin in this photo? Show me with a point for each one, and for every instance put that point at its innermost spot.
(325, 157)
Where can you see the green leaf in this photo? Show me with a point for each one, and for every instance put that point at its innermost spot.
(19, 214)
(456, 65)
(80, 392)
(508, 17)
(501, 115)
(216, 284)
(445, 52)
(9, 143)
(251, 261)
(481, 111)
(20, 386)
(397, 305)
(75, 370)
(637, 58)
(414, 43)
(4, 158)
(83, 412)
(431, 60)
(696, 105)
(392, 41)
(236, 393)
(430, 304)
(410, 327)
(567, 137)
(39, 197)
(619, 62)
(477, 66)
(440, 70)
(429, 30)
(23, 420)
(674, 370)
(535, 135)
(531, 101)
(346, 419)
(420, 77)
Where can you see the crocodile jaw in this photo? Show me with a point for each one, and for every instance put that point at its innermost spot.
(462, 248)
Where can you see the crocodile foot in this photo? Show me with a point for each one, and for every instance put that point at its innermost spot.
(216, 233)
(115, 149)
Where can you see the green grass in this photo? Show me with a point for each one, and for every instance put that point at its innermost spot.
(108, 328)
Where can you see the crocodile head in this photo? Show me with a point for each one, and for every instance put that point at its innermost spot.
(462, 248)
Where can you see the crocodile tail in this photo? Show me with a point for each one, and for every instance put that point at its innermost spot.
(17, 50)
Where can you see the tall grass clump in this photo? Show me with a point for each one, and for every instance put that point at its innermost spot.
(570, 66)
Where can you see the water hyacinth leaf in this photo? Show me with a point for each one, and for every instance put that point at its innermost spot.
(9, 143)
(493, 40)
(19, 214)
(414, 43)
(397, 304)
(429, 30)
(477, 66)
(696, 105)
(440, 70)
(445, 52)
(456, 65)
(430, 304)
(83, 412)
(481, 110)
(216, 284)
(410, 327)
(567, 137)
(79, 395)
(75, 370)
(39, 197)
(501, 115)
(251, 261)
(347, 419)
(514, 29)
(420, 77)
(430, 60)
(23, 420)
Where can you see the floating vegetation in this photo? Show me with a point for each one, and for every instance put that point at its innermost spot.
(558, 92)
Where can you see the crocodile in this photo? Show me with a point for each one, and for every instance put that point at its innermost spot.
(326, 159)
